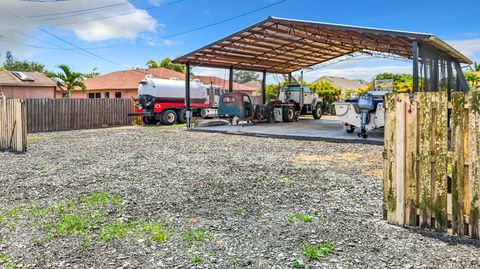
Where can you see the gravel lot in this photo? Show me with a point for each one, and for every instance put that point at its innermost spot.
(163, 197)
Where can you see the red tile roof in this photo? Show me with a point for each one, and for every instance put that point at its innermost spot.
(224, 83)
(129, 79)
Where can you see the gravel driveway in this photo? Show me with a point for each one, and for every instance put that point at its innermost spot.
(163, 197)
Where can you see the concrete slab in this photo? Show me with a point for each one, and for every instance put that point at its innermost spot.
(327, 128)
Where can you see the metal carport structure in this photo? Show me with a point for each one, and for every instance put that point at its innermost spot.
(282, 46)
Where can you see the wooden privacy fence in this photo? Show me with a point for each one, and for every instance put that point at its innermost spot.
(432, 168)
(13, 129)
(46, 115)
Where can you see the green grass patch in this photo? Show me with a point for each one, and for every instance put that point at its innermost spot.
(113, 231)
(32, 138)
(299, 216)
(101, 199)
(194, 236)
(286, 180)
(195, 258)
(317, 251)
(155, 231)
(72, 224)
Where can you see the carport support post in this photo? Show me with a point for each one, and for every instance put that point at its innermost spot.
(187, 94)
(415, 65)
(230, 80)
(289, 78)
(264, 87)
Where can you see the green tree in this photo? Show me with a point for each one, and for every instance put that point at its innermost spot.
(68, 80)
(11, 64)
(472, 79)
(475, 67)
(166, 63)
(402, 82)
(327, 92)
(93, 74)
(241, 76)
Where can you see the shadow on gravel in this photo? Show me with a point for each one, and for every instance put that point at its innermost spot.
(448, 239)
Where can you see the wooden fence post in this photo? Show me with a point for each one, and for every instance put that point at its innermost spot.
(458, 184)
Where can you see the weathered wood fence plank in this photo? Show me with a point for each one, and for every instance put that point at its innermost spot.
(417, 162)
(13, 126)
(45, 115)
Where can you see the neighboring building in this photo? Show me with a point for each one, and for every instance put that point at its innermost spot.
(256, 85)
(223, 84)
(342, 83)
(121, 84)
(26, 85)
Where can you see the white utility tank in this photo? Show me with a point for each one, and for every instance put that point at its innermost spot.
(172, 90)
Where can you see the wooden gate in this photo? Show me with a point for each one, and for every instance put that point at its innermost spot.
(432, 168)
(13, 128)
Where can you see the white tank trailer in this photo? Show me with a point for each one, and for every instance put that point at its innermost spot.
(163, 100)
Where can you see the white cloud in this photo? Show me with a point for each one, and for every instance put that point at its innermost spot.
(122, 27)
(100, 20)
(365, 73)
(469, 47)
(154, 41)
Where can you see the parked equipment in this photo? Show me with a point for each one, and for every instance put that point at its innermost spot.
(239, 107)
(367, 112)
(304, 101)
(163, 101)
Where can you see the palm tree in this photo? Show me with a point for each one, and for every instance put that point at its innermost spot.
(166, 63)
(68, 80)
(475, 67)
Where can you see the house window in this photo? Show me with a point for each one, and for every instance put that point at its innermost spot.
(118, 94)
(94, 95)
(107, 95)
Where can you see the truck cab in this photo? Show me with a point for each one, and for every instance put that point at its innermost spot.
(306, 102)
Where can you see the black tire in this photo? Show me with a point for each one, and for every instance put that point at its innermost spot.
(317, 111)
(288, 114)
(350, 129)
(149, 120)
(182, 116)
(168, 117)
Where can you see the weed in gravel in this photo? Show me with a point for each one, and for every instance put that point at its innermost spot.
(317, 251)
(299, 216)
(72, 224)
(32, 138)
(341, 149)
(234, 261)
(3, 258)
(112, 231)
(286, 180)
(85, 243)
(12, 213)
(194, 236)
(195, 258)
(155, 231)
(101, 199)
(298, 263)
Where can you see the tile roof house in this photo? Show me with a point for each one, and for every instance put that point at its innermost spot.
(342, 83)
(26, 85)
(121, 84)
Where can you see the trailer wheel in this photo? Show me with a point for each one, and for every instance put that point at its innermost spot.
(149, 120)
(168, 117)
(317, 112)
(349, 128)
(288, 114)
(181, 116)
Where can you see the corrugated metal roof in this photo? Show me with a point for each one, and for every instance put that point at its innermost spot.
(279, 45)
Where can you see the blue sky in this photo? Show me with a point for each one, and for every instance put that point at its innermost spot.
(130, 34)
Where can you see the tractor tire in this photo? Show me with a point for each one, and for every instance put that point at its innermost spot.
(149, 120)
(168, 117)
(182, 116)
(288, 114)
(317, 111)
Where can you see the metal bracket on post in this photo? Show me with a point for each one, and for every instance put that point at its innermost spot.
(415, 65)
